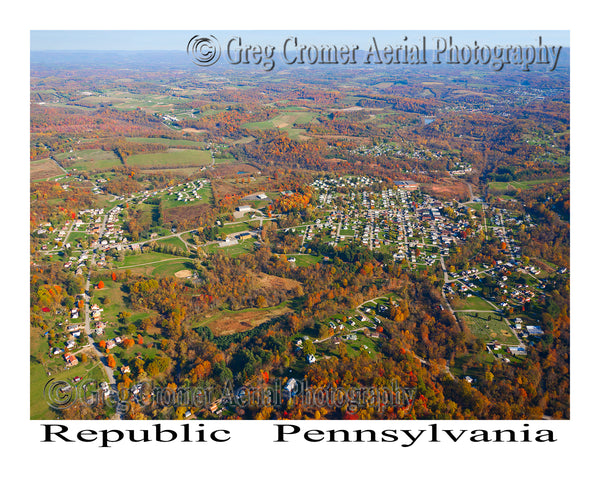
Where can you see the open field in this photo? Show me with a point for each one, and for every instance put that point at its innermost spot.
(132, 261)
(304, 259)
(173, 157)
(233, 169)
(174, 241)
(244, 247)
(95, 159)
(523, 185)
(274, 282)
(285, 121)
(227, 322)
(186, 212)
(166, 141)
(471, 303)
(151, 103)
(179, 172)
(42, 169)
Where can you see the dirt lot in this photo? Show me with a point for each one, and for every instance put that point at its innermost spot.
(234, 169)
(447, 189)
(227, 323)
(189, 213)
(359, 140)
(273, 282)
(44, 169)
(183, 274)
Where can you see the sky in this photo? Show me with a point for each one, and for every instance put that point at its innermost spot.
(178, 39)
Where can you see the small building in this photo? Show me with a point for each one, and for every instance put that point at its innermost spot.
(71, 359)
(534, 330)
(291, 387)
(517, 350)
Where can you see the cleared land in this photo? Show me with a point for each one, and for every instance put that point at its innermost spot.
(95, 159)
(524, 185)
(471, 303)
(166, 141)
(41, 169)
(227, 322)
(285, 121)
(173, 157)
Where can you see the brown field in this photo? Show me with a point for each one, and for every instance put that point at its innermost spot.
(362, 140)
(222, 189)
(447, 189)
(273, 282)
(226, 323)
(183, 274)
(178, 171)
(232, 169)
(186, 212)
(347, 109)
(41, 169)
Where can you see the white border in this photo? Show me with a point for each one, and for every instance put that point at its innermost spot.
(253, 452)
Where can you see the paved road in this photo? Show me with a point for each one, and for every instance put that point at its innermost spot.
(59, 165)
(87, 308)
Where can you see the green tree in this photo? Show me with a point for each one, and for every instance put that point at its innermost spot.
(308, 347)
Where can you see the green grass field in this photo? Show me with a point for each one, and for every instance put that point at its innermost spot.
(171, 158)
(174, 241)
(284, 121)
(167, 141)
(471, 303)
(166, 269)
(234, 250)
(89, 160)
(502, 186)
(238, 227)
(302, 260)
(131, 261)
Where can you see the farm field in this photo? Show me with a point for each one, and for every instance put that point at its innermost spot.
(166, 141)
(153, 103)
(227, 322)
(132, 261)
(285, 121)
(44, 169)
(523, 185)
(89, 160)
(173, 157)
